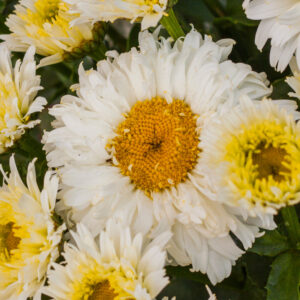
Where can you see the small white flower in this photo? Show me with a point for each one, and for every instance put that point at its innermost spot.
(149, 174)
(280, 23)
(28, 236)
(18, 89)
(46, 25)
(115, 266)
(252, 156)
(150, 11)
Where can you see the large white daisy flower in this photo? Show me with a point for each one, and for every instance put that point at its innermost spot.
(252, 155)
(280, 23)
(149, 11)
(128, 145)
(118, 266)
(28, 236)
(18, 89)
(46, 25)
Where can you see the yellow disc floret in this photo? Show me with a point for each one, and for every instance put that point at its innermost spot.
(103, 291)
(8, 240)
(264, 163)
(157, 144)
(13, 230)
(101, 283)
(50, 11)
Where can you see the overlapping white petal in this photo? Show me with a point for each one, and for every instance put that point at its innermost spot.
(150, 11)
(194, 70)
(280, 23)
(18, 89)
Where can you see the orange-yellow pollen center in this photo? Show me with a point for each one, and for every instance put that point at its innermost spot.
(157, 144)
(8, 240)
(103, 291)
(269, 162)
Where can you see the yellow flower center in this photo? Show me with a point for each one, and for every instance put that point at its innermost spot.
(269, 162)
(98, 282)
(8, 240)
(264, 163)
(103, 291)
(157, 144)
(46, 11)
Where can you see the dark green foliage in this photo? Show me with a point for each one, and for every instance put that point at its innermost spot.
(271, 244)
(284, 278)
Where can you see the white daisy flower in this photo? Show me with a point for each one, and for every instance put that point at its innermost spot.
(18, 90)
(252, 155)
(128, 145)
(294, 81)
(118, 266)
(28, 236)
(280, 23)
(46, 25)
(148, 11)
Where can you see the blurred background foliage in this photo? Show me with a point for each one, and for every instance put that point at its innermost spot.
(271, 269)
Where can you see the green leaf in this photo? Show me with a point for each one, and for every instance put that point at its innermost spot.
(284, 279)
(133, 40)
(280, 89)
(271, 243)
(257, 270)
(184, 272)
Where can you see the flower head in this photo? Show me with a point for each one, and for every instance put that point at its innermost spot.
(118, 266)
(46, 25)
(280, 23)
(252, 155)
(128, 145)
(18, 89)
(28, 236)
(150, 11)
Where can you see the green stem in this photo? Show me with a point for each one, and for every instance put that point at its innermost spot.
(292, 224)
(172, 25)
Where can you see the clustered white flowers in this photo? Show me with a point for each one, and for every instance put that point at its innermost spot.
(169, 153)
